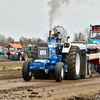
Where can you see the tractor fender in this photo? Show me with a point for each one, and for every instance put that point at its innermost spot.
(66, 49)
(67, 46)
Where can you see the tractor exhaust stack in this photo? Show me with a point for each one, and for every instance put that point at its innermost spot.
(49, 36)
(67, 39)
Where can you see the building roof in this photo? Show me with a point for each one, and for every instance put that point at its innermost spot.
(14, 45)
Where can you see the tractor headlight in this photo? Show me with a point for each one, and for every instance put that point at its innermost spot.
(41, 67)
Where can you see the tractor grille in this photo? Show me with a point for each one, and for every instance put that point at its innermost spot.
(43, 56)
(43, 50)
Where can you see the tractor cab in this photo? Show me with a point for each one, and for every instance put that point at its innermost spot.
(49, 50)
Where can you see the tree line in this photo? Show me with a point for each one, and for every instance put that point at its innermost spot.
(81, 36)
(23, 41)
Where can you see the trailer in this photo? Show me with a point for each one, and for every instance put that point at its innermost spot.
(65, 60)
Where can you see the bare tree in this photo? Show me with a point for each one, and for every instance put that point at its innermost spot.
(39, 40)
(23, 41)
(33, 41)
(63, 36)
(79, 37)
(46, 35)
(76, 38)
(3, 40)
(88, 34)
(83, 36)
(10, 40)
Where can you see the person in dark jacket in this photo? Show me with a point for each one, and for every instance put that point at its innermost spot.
(57, 35)
(97, 36)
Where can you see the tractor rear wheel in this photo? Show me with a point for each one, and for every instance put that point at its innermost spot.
(20, 57)
(25, 57)
(26, 73)
(40, 74)
(34, 55)
(59, 72)
(73, 60)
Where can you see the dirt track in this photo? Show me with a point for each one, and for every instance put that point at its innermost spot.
(11, 63)
(11, 74)
(18, 89)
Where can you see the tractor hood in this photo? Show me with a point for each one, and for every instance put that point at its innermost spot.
(47, 50)
(50, 44)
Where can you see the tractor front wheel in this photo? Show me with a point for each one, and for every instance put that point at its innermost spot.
(59, 72)
(26, 73)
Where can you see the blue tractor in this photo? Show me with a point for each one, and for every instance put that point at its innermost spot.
(51, 57)
(65, 60)
(19, 56)
(3, 55)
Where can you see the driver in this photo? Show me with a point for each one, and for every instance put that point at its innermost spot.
(97, 36)
(57, 35)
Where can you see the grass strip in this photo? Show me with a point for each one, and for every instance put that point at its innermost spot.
(10, 67)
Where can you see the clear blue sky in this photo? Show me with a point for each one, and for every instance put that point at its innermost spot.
(29, 18)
